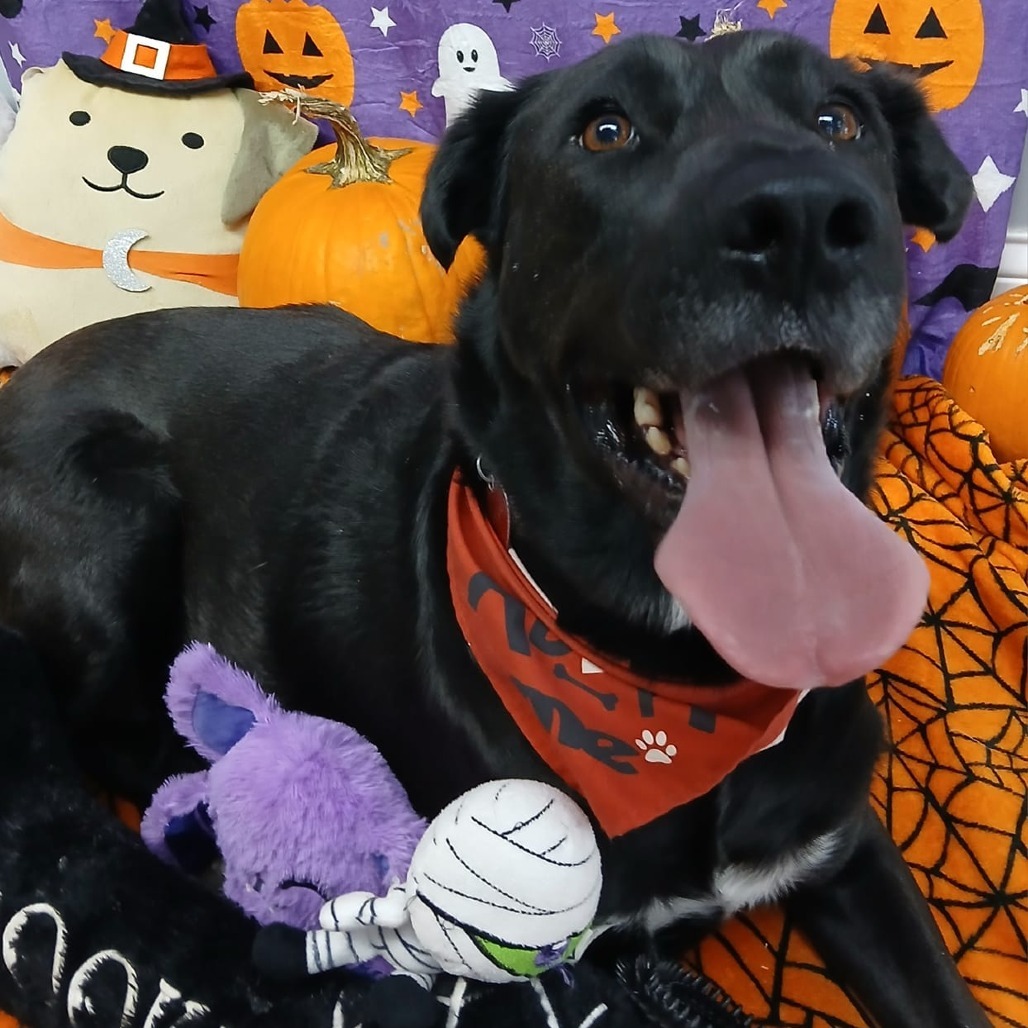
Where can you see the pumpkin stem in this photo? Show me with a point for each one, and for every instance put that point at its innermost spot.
(356, 159)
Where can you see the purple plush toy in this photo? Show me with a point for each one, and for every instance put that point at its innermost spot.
(299, 809)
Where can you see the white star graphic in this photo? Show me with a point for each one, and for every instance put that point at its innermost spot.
(17, 54)
(380, 20)
(546, 41)
(990, 183)
(1023, 105)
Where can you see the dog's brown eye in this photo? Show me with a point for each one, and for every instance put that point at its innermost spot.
(607, 132)
(839, 123)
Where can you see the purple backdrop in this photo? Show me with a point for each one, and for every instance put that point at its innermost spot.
(396, 45)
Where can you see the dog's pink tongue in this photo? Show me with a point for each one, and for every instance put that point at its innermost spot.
(789, 576)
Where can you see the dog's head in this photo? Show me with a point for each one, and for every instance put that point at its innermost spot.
(696, 273)
(85, 161)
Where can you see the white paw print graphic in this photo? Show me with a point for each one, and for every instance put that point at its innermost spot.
(656, 747)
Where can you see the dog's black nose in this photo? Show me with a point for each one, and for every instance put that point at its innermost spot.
(814, 222)
(127, 159)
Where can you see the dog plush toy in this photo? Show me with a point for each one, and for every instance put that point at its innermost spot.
(127, 182)
(503, 887)
(297, 808)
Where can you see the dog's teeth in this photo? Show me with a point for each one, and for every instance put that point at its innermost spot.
(681, 465)
(657, 440)
(647, 408)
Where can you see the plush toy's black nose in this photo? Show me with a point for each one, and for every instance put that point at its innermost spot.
(813, 221)
(127, 159)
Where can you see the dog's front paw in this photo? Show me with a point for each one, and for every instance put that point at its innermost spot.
(280, 952)
(668, 993)
(400, 1002)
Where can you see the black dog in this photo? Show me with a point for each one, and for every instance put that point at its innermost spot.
(695, 276)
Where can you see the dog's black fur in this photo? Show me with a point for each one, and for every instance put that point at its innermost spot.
(275, 482)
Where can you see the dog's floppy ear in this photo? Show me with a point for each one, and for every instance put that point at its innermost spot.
(465, 183)
(273, 141)
(934, 188)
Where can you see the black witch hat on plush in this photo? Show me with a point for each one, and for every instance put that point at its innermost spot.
(159, 54)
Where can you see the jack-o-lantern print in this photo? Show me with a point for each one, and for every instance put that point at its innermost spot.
(939, 41)
(293, 43)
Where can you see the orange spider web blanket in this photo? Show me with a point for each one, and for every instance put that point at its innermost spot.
(954, 787)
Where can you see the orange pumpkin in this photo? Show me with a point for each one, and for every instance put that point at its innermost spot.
(343, 227)
(986, 371)
(939, 41)
(295, 44)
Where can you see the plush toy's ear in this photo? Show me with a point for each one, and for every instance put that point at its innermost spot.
(934, 189)
(213, 703)
(177, 826)
(30, 73)
(11, 101)
(273, 141)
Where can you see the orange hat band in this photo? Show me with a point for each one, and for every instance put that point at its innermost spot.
(156, 59)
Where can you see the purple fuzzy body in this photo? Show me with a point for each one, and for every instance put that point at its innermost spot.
(302, 809)
(307, 801)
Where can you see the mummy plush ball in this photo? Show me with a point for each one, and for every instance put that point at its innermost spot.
(503, 886)
(505, 882)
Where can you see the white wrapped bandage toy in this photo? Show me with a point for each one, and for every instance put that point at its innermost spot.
(503, 886)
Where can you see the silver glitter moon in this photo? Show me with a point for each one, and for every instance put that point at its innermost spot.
(116, 264)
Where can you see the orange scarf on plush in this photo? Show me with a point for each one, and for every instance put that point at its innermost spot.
(215, 271)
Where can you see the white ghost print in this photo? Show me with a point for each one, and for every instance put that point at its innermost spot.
(467, 64)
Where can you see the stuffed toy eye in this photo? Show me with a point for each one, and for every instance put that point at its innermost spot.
(193, 140)
(302, 883)
(526, 961)
(79, 118)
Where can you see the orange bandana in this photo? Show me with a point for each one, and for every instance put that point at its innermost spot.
(215, 271)
(632, 748)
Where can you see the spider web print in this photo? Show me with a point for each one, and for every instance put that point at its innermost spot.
(953, 789)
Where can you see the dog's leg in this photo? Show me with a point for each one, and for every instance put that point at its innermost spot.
(89, 573)
(875, 932)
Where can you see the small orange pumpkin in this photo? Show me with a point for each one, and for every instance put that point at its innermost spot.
(986, 371)
(295, 44)
(343, 227)
(940, 41)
